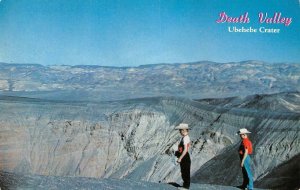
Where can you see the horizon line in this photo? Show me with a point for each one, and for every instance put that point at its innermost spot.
(153, 64)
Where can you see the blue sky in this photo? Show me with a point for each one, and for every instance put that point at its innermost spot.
(132, 33)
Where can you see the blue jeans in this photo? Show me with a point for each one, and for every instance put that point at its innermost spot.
(247, 174)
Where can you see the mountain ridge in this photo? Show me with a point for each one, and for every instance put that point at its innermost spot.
(189, 80)
(133, 139)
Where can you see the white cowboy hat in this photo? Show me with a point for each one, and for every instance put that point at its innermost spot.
(182, 126)
(243, 131)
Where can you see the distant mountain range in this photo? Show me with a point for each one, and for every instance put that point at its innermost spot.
(192, 80)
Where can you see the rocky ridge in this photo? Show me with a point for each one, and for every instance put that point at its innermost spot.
(190, 80)
(132, 139)
(21, 181)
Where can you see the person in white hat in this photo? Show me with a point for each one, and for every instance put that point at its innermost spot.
(245, 150)
(183, 155)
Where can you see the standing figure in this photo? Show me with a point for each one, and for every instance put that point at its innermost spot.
(183, 155)
(245, 150)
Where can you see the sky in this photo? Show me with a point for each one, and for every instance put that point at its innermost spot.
(141, 32)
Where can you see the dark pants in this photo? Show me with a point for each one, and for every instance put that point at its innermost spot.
(185, 167)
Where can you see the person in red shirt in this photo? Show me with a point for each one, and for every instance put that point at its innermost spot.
(245, 150)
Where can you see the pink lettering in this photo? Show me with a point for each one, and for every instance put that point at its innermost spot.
(276, 19)
(223, 17)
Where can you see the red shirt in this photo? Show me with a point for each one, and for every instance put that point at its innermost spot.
(245, 144)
